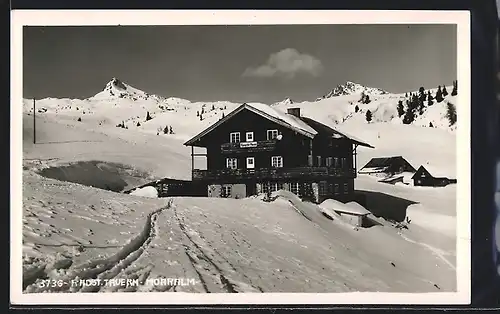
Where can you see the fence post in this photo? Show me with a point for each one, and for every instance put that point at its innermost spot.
(34, 122)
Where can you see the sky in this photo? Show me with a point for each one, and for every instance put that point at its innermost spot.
(265, 63)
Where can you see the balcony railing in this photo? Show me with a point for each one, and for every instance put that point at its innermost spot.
(257, 146)
(274, 173)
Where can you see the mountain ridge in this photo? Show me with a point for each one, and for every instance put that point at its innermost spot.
(122, 103)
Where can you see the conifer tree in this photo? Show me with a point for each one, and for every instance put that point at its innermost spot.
(454, 92)
(445, 92)
(369, 116)
(401, 110)
(356, 109)
(439, 95)
(451, 113)
(409, 117)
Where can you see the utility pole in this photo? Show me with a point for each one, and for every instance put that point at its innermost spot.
(34, 122)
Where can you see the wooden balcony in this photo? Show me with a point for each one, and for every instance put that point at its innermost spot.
(251, 147)
(274, 173)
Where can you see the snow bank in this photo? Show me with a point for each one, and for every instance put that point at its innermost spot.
(147, 191)
(426, 218)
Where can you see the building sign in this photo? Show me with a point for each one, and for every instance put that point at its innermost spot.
(248, 144)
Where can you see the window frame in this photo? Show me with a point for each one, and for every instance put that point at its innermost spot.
(278, 158)
(234, 161)
(231, 137)
(295, 186)
(346, 188)
(253, 162)
(271, 131)
(329, 161)
(246, 137)
(336, 190)
(227, 188)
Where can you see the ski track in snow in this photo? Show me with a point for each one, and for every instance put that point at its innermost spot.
(433, 250)
(200, 258)
(103, 269)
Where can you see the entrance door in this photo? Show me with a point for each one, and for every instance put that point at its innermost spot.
(250, 162)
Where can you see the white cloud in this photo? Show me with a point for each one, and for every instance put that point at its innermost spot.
(286, 63)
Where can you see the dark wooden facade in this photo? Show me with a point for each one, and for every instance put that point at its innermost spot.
(317, 161)
(424, 178)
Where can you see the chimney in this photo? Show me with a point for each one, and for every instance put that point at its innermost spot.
(294, 112)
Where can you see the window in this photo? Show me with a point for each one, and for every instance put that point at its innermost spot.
(346, 188)
(249, 136)
(232, 163)
(319, 160)
(271, 187)
(329, 161)
(277, 161)
(250, 162)
(344, 162)
(336, 162)
(272, 134)
(310, 160)
(323, 188)
(295, 188)
(226, 191)
(337, 188)
(234, 137)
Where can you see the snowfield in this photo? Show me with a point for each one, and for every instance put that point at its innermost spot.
(74, 231)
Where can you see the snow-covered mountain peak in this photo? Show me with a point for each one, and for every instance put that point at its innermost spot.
(116, 88)
(115, 83)
(352, 88)
(287, 101)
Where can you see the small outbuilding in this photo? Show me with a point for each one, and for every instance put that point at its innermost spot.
(387, 166)
(352, 212)
(425, 176)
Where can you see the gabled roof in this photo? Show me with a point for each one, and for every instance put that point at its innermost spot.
(381, 162)
(281, 118)
(328, 131)
(303, 125)
(432, 171)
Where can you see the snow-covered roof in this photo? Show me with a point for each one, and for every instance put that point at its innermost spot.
(302, 125)
(333, 132)
(267, 112)
(285, 117)
(437, 172)
(372, 170)
(352, 208)
(356, 208)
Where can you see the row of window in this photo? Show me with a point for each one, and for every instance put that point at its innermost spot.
(294, 187)
(235, 137)
(338, 162)
(277, 161)
(232, 163)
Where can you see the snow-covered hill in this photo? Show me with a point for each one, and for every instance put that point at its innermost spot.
(351, 88)
(121, 103)
(76, 231)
